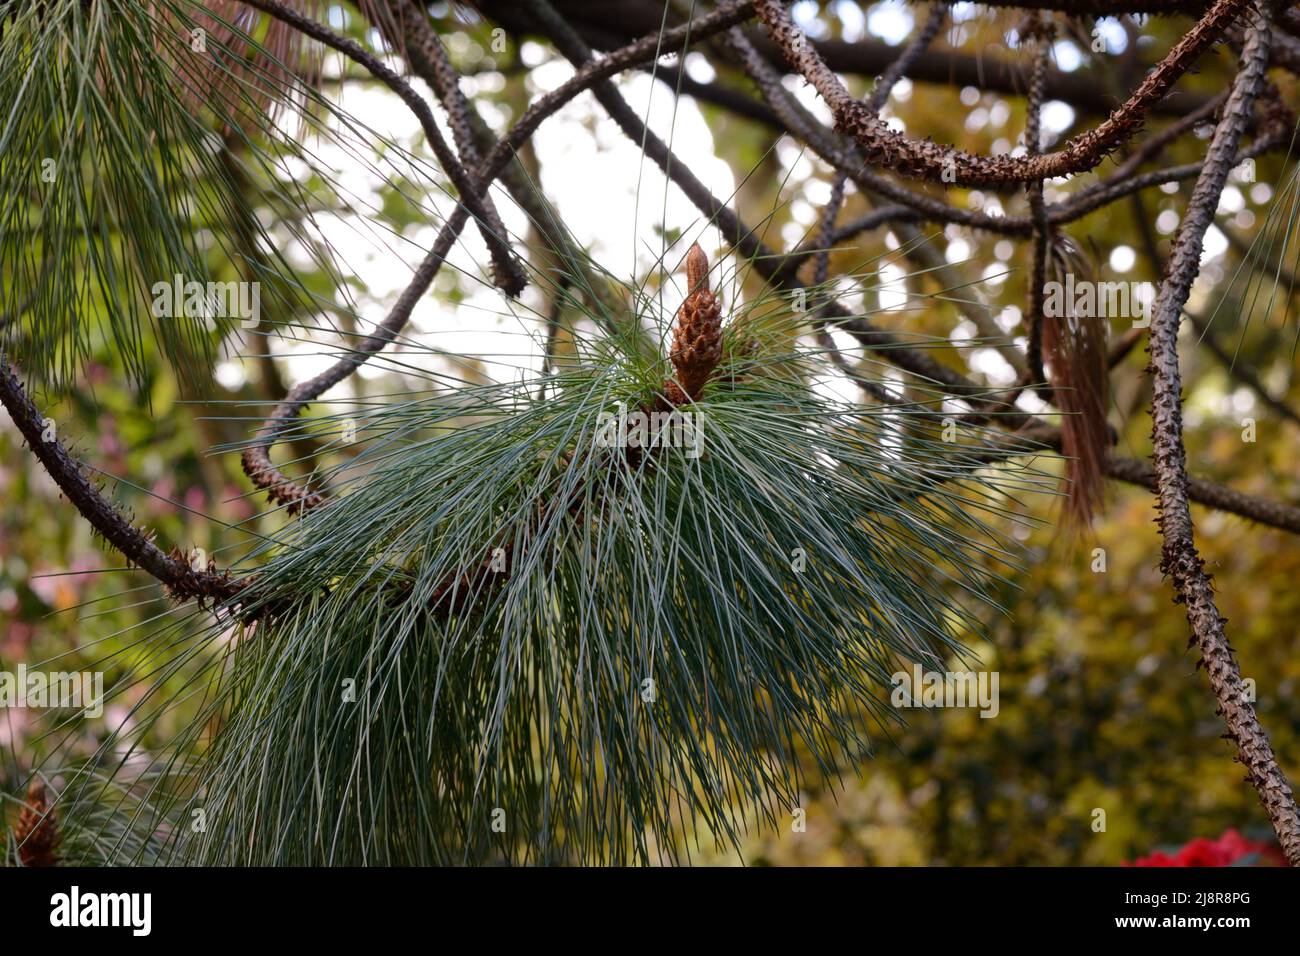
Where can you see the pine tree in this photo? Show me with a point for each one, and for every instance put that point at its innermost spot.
(631, 596)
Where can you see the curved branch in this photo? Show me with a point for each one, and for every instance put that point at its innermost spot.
(256, 459)
(1257, 508)
(507, 272)
(1264, 511)
(893, 150)
(182, 581)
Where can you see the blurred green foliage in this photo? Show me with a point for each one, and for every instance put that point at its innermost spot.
(1102, 707)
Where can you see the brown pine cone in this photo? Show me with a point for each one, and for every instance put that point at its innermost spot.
(37, 832)
(697, 340)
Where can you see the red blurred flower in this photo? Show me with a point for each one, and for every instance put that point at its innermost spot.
(1225, 851)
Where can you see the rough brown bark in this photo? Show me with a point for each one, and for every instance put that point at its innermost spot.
(1181, 561)
(923, 159)
(182, 581)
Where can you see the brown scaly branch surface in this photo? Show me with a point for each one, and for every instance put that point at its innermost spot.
(931, 161)
(1180, 558)
(182, 581)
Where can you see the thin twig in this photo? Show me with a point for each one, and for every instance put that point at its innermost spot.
(1042, 237)
(256, 459)
(508, 273)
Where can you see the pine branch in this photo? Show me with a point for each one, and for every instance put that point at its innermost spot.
(942, 164)
(1265, 511)
(1180, 559)
(256, 459)
(182, 581)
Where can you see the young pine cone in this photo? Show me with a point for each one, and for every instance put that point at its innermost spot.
(697, 339)
(37, 832)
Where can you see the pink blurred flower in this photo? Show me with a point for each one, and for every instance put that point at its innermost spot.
(164, 490)
(236, 500)
(195, 499)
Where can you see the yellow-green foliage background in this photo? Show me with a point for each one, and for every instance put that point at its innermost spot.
(1101, 707)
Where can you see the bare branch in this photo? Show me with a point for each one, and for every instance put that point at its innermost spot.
(1180, 559)
(926, 160)
(183, 582)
